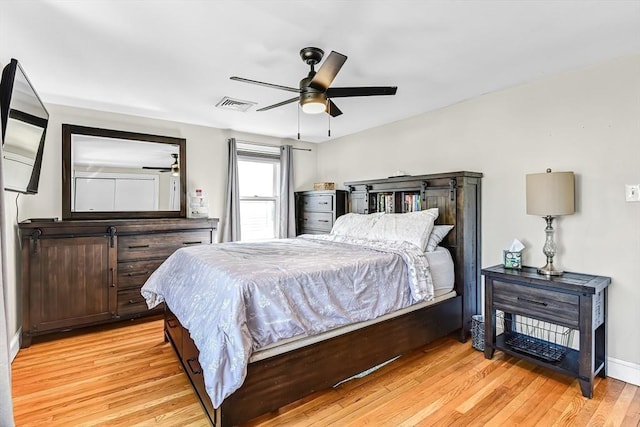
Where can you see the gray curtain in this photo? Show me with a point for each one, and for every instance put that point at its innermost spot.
(287, 200)
(6, 405)
(231, 226)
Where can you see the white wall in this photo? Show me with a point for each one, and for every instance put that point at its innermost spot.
(586, 121)
(206, 169)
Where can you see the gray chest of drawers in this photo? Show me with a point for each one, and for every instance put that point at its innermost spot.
(316, 211)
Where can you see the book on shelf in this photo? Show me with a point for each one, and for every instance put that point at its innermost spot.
(412, 202)
(386, 202)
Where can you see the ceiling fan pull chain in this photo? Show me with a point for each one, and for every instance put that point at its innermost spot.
(328, 119)
(298, 122)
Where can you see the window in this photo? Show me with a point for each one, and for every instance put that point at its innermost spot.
(259, 180)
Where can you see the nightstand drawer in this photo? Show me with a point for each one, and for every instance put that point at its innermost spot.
(555, 307)
(320, 221)
(318, 203)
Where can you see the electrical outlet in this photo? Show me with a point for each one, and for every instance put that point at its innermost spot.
(632, 192)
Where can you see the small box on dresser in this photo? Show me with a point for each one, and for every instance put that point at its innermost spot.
(316, 211)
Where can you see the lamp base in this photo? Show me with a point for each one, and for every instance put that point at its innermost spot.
(549, 270)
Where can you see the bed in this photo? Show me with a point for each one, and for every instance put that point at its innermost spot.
(281, 369)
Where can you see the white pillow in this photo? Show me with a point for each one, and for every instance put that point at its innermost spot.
(437, 235)
(355, 225)
(413, 227)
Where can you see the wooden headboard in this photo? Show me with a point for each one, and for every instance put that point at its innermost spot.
(457, 196)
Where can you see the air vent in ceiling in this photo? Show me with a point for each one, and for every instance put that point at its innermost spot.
(232, 104)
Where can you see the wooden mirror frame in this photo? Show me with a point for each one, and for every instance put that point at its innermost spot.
(69, 130)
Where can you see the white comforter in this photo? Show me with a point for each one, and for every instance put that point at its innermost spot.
(237, 297)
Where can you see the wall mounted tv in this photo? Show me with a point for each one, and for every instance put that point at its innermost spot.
(24, 126)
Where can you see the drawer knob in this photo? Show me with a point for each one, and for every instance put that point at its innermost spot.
(543, 304)
(194, 371)
(139, 273)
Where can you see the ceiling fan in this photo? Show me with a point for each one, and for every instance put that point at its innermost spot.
(174, 168)
(314, 92)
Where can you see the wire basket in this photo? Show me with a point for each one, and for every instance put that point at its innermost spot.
(543, 340)
(477, 332)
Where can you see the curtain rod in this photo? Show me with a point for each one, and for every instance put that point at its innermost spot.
(271, 145)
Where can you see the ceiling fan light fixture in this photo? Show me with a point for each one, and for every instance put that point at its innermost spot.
(313, 103)
(175, 168)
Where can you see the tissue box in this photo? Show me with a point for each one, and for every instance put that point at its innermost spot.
(512, 259)
(324, 186)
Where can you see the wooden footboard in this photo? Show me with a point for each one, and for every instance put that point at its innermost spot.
(282, 379)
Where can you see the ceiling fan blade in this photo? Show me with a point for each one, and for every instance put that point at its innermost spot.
(328, 70)
(342, 92)
(271, 85)
(279, 104)
(159, 169)
(333, 109)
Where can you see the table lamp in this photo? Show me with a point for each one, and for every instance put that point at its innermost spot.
(549, 195)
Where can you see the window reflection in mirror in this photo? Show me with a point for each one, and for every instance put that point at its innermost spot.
(113, 174)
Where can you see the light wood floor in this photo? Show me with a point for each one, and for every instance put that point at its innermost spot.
(129, 376)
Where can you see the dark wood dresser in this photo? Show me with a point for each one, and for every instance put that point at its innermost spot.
(80, 273)
(316, 211)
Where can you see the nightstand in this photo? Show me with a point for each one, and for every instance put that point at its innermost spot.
(538, 314)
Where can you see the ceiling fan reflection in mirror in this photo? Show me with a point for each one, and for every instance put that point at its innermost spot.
(174, 168)
(314, 91)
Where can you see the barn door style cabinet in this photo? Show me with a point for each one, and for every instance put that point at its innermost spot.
(82, 273)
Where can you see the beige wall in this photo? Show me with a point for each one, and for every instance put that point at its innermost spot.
(206, 169)
(586, 121)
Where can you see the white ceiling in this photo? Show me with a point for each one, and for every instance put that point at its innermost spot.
(172, 59)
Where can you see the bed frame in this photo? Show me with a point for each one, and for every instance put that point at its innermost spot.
(276, 381)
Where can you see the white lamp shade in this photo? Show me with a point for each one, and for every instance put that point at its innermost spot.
(550, 194)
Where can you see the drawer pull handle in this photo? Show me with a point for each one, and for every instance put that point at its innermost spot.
(131, 301)
(194, 371)
(199, 242)
(138, 273)
(323, 220)
(323, 203)
(112, 273)
(544, 304)
(138, 246)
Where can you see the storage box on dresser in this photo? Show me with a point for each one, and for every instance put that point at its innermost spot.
(316, 211)
(80, 273)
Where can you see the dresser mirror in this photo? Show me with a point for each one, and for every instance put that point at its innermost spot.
(110, 174)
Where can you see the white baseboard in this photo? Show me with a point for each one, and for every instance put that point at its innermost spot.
(623, 371)
(14, 345)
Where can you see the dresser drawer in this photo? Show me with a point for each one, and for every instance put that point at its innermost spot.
(318, 203)
(551, 306)
(131, 302)
(158, 245)
(133, 274)
(319, 221)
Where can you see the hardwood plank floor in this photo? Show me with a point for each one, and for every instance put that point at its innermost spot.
(128, 376)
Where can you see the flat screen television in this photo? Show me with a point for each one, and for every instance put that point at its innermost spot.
(24, 126)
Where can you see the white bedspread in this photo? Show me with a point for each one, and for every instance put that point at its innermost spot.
(237, 297)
